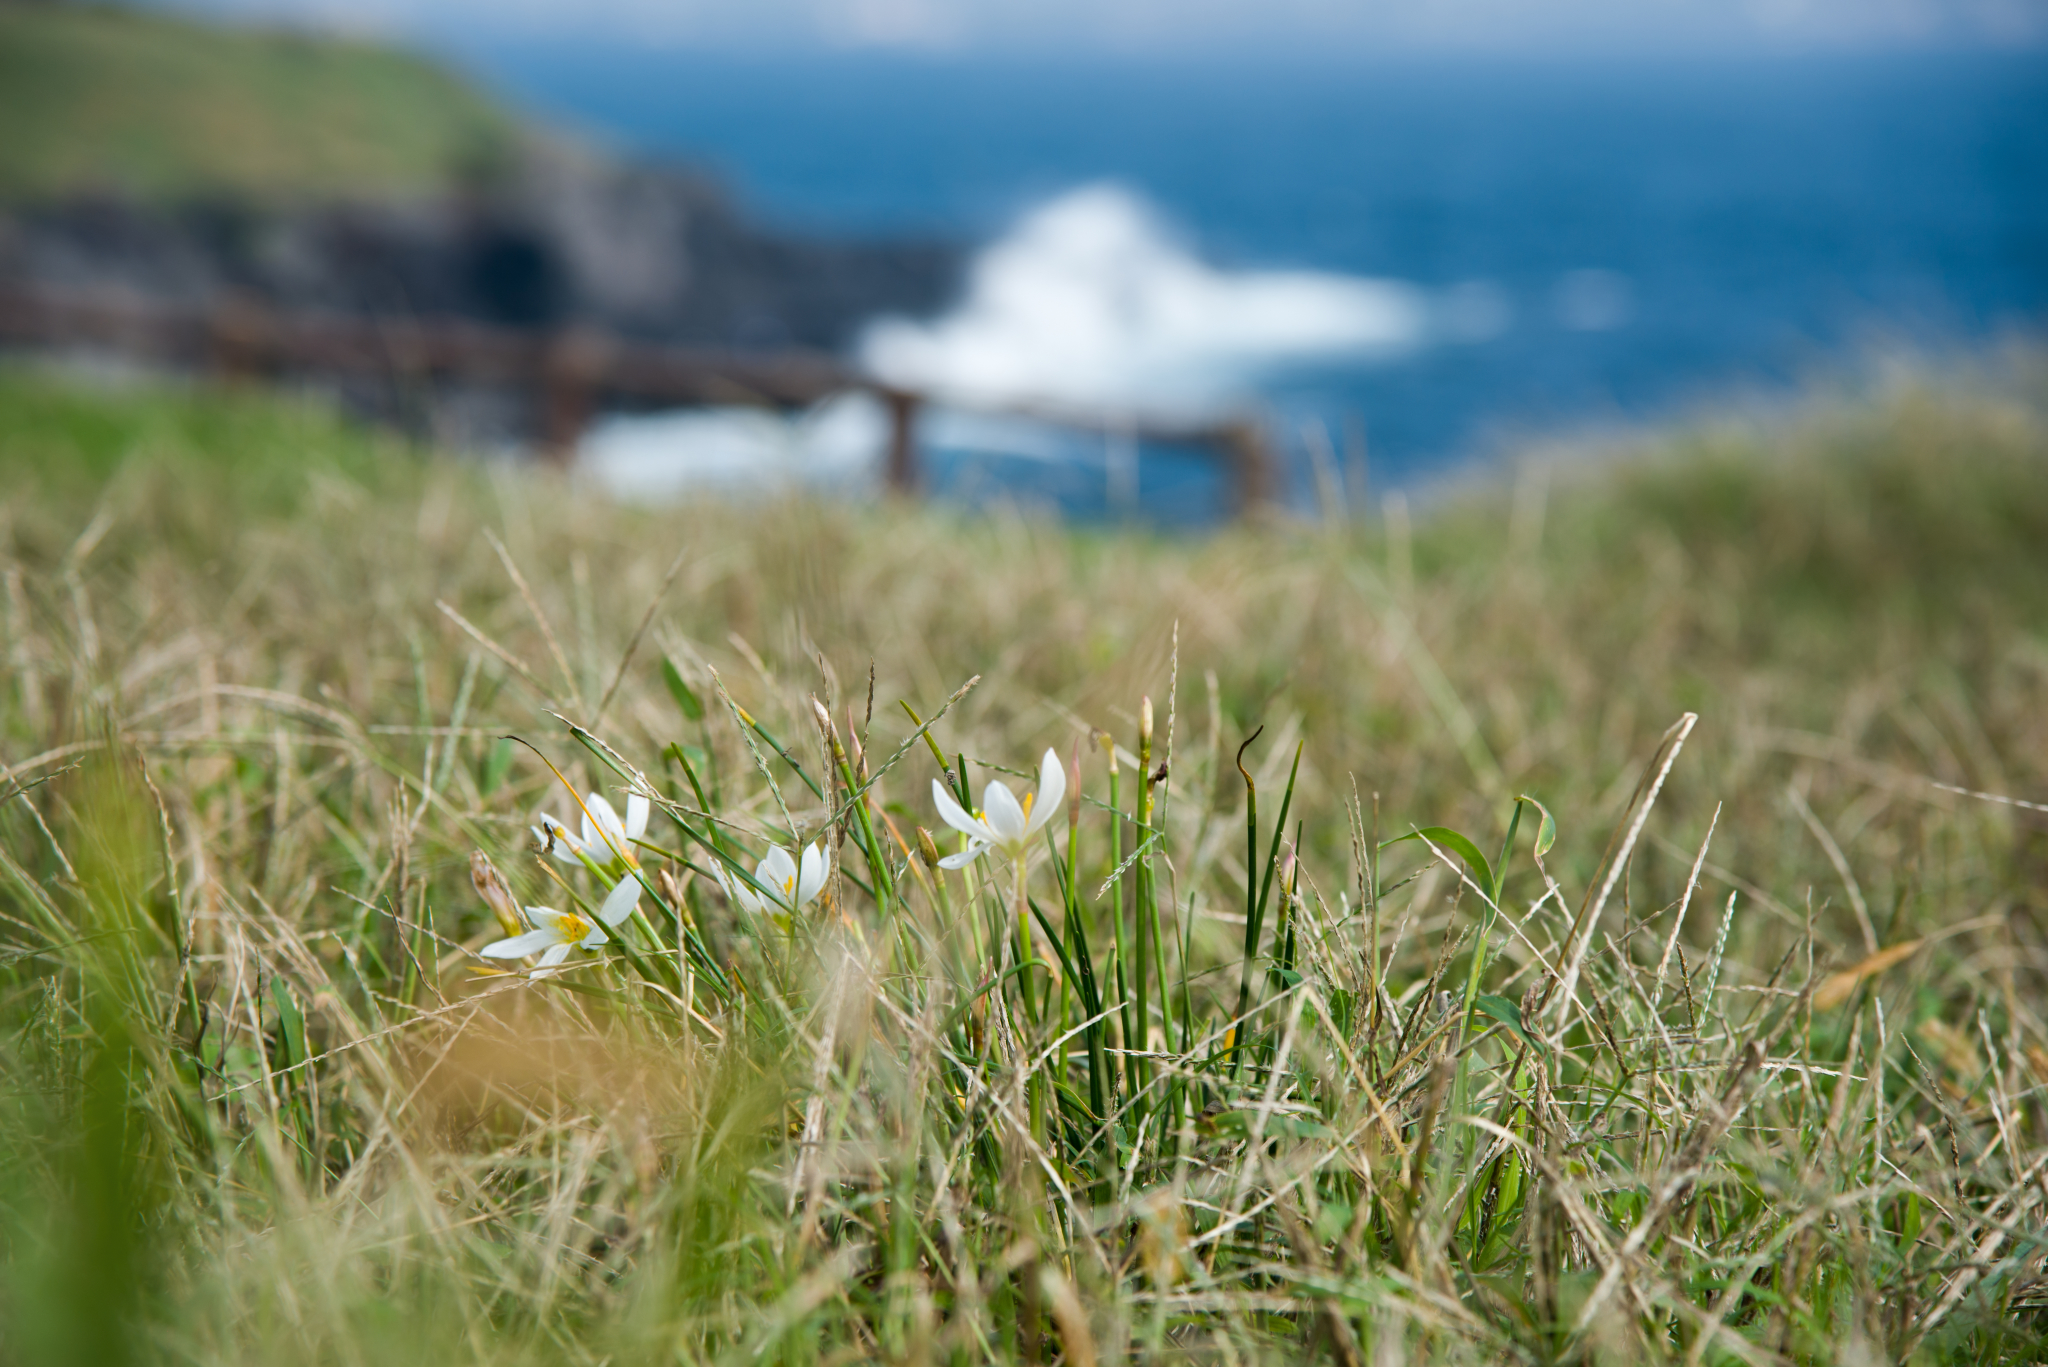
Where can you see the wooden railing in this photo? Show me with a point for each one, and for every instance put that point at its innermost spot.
(573, 374)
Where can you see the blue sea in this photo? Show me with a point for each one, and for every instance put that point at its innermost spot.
(1427, 264)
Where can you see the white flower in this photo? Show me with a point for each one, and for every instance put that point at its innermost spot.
(788, 886)
(555, 933)
(605, 838)
(1003, 823)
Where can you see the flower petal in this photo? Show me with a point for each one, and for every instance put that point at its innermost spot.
(966, 856)
(595, 938)
(735, 891)
(519, 946)
(637, 810)
(1052, 789)
(608, 825)
(620, 901)
(954, 815)
(777, 873)
(817, 867)
(555, 956)
(1003, 813)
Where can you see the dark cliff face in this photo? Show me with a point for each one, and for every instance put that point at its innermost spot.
(648, 253)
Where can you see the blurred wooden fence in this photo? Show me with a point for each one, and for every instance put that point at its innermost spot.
(573, 374)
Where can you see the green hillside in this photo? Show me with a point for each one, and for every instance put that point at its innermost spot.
(94, 96)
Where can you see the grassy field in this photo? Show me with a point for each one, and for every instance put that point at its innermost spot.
(1546, 928)
(94, 97)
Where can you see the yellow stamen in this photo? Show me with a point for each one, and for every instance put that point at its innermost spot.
(572, 928)
(1029, 798)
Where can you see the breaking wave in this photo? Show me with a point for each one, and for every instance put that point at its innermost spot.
(1090, 300)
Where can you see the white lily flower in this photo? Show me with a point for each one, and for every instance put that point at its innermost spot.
(1003, 823)
(789, 886)
(605, 838)
(555, 933)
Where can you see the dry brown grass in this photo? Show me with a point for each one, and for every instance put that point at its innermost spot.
(244, 606)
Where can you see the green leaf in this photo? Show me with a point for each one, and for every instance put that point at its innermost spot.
(1446, 838)
(497, 764)
(1279, 1125)
(1299, 1128)
(686, 697)
(291, 1022)
(1341, 1001)
(1508, 1014)
(1546, 831)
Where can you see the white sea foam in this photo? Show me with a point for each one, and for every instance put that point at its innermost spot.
(656, 457)
(1091, 301)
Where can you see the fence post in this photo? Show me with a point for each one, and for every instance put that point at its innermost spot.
(902, 471)
(1251, 463)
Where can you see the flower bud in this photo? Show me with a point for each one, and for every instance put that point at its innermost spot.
(1145, 720)
(490, 885)
(860, 752)
(828, 730)
(927, 848)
